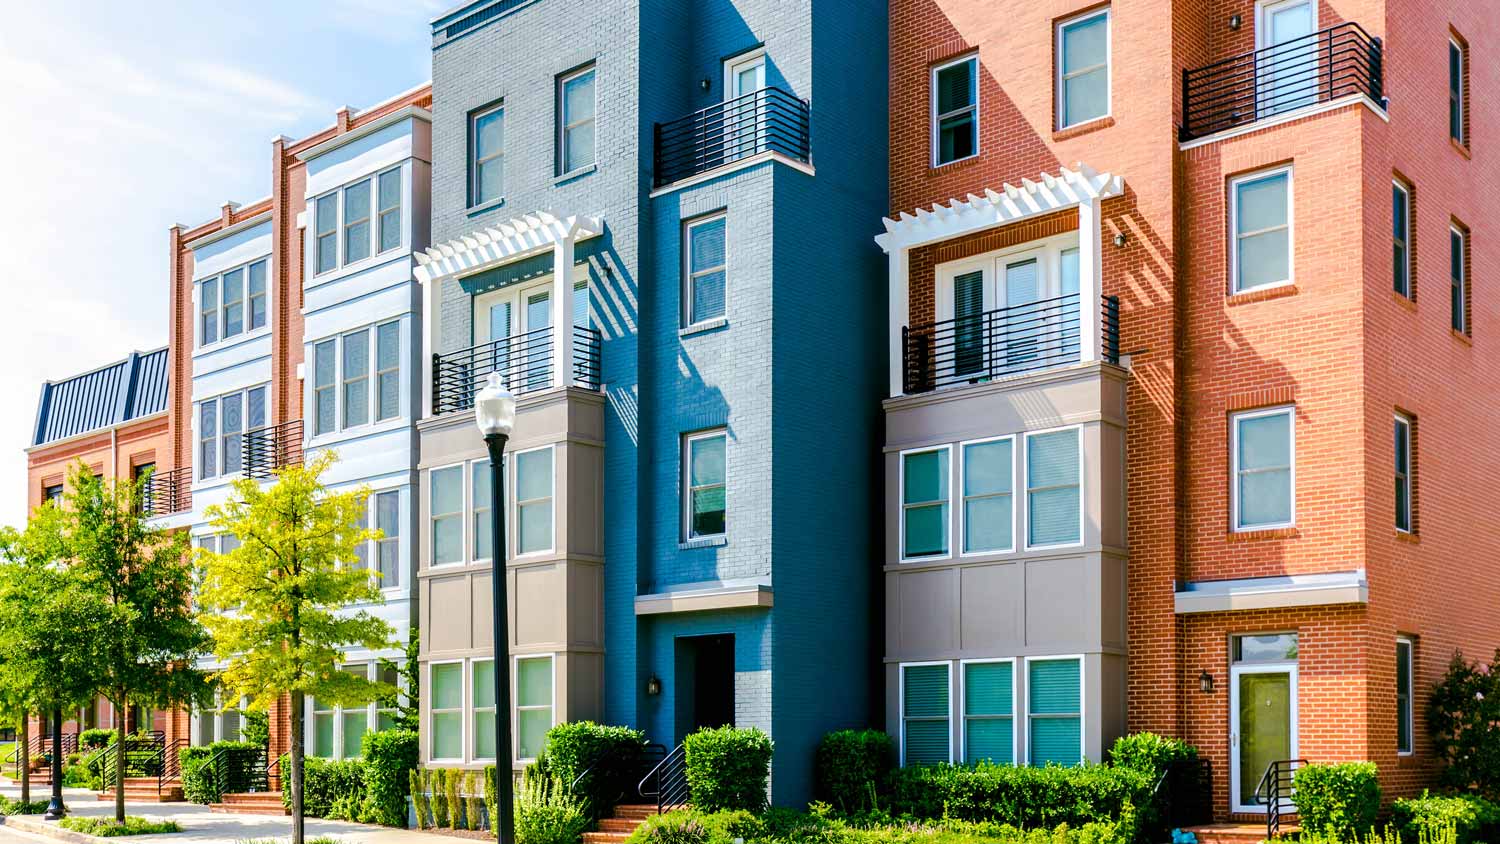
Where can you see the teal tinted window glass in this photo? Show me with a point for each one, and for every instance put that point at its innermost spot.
(989, 726)
(925, 503)
(1053, 499)
(925, 713)
(1054, 696)
(988, 502)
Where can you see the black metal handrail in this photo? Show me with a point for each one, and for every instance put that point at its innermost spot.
(1316, 68)
(168, 491)
(1183, 795)
(524, 362)
(667, 782)
(143, 758)
(618, 770)
(270, 448)
(1275, 790)
(1005, 341)
(768, 120)
(239, 770)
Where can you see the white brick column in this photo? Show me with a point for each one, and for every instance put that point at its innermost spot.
(1090, 278)
(562, 312)
(900, 316)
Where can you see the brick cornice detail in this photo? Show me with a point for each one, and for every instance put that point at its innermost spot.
(1265, 397)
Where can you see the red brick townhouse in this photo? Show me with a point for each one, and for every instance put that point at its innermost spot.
(1191, 331)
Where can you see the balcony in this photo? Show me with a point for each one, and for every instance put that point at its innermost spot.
(274, 447)
(1337, 62)
(1003, 342)
(168, 492)
(766, 121)
(524, 362)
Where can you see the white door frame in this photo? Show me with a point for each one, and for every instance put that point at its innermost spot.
(1265, 8)
(1235, 774)
(1266, 101)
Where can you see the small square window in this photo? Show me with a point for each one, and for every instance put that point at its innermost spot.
(1083, 69)
(955, 110)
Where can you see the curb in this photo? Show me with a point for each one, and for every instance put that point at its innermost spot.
(50, 830)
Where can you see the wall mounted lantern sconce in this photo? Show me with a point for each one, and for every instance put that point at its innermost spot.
(1121, 239)
(1234, 22)
(705, 84)
(1206, 683)
(653, 686)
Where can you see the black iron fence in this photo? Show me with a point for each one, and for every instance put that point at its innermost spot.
(768, 120)
(168, 491)
(524, 363)
(1005, 341)
(270, 448)
(1316, 68)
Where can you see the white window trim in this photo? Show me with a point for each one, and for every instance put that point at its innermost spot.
(1234, 466)
(1109, 76)
(1463, 89)
(340, 223)
(901, 505)
(513, 503)
(373, 553)
(935, 119)
(1083, 701)
(218, 278)
(1046, 251)
(372, 713)
(1406, 274)
(1411, 516)
(563, 170)
(686, 483)
(734, 64)
(372, 381)
(472, 507)
(963, 708)
(1234, 229)
(471, 750)
(465, 513)
(371, 186)
(1025, 489)
(337, 195)
(687, 268)
(220, 473)
(515, 697)
(376, 372)
(377, 214)
(473, 157)
(1410, 715)
(1463, 276)
(960, 498)
(345, 378)
(463, 710)
(901, 703)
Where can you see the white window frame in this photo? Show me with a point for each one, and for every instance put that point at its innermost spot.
(379, 214)
(463, 711)
(1025, 489)
(1058, 77)
(465, 513)
(960, 498)
(734, 64)
(336, 196)
(376, 373)
(372, 715)
(345, 379)
(515, 697)
(473, 157)
(1410, 715)
(340, 230)
(376, 544)
(901, 703)
(686, 483)
(1290, 410)
(1083, 701)
(371, 375)
(218, 438)
(1411, 516)
(963, 708)
(219, 315)
(1463, 278)
(936, 120)
(513, 466)
(902, 505)
(1406, 273)
(564, 126)
(1463, 89)
(473, 508)
(689, 278)
(1234, 229)
(371, 245)
(471, 726)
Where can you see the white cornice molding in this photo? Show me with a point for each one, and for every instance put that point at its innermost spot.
(1259, 593)
(229, 231)
(1010, 204)
(502, 243)
(370, 128)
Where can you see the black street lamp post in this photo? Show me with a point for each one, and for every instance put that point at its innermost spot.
(55, 808)
(495, 412)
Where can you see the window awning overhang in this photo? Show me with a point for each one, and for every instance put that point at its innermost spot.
(1010, 204)
(512, 240)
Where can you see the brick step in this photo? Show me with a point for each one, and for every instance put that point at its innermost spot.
(605, 837)
(619, 824)
(243, 809)
(1236, 833)
(146, 795)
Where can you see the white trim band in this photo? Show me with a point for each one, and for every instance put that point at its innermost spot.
(1259, 593)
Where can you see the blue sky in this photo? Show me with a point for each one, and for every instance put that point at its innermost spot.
(124, 118)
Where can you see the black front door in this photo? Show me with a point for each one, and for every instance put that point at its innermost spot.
(705, 683)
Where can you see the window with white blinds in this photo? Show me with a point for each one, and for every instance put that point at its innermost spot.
(925, 733)
(1054, 514)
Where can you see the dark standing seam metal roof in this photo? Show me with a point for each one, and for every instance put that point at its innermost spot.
(120, 392)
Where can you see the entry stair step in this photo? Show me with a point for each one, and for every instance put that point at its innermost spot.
(626, 819)
(145, 790)
(251, 803)
(1237, 833)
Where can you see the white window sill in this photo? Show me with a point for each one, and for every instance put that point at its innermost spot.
(576, 173)
(485, 207)
(229, 342)
(703, 542)
(703, 327)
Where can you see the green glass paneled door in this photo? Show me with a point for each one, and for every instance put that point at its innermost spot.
(1265, 728)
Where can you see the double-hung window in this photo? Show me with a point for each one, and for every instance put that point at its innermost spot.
(1264, 469)
(535, 713)
(1403, 473)
(988, 505)
(705, 480)
(534, 501)
(1054, 480)
(232, 303)
(1261, 230)
(389, 222)
(955, 110)
(575, 120)
(926, 734)
(704, 270)
(323, 726)
(325, 394)
(1458, 274)
(1083, 69)
(223, 424)
(388, 546)
(208, 308)
(1054, 710)
(446, 509)
(925, 490)
(487, 155)
(1458, 81)
(387, 371)
(1404, 719)
(347, 390)
(356, 378)
(357, 221)
(989, 712)
(325, 233)
(1401, 240)
(479, 508)
(482, 714)
(446, 718)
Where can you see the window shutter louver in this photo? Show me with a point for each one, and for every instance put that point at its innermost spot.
(926, 709)
(1053, 505)
(968, 325)
(989, 725)
(1054, 706)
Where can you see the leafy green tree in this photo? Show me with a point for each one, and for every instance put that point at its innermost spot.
(139, 572)
(1463, 715)
(407, 699)
(279, 605)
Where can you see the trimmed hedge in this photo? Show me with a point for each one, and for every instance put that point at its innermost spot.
(727, 768)
(198, 782)
(852, 766)
(783, 826)
(1473, 817)
(606, 757)
(107, 828)
(1150, 753)
(329, 789)
(389, 757)
(1342, 799)
(95, 738)
(1025, 797)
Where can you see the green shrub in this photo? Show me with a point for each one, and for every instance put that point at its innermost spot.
(547, 813)
(822, 826)
(95, 739)
(390, 756)
(77, 776)
(421, 803)
(9, 806)
(437, 788)
(851, 765)
(198, 782)
(1342, 798)
(1463, 715)
(1472, 817)
(474, 793)
(605, 757)
(491, 793)
(327, 787)
(727, 768)
(1441, 834)
(1150, 753)
(255, 727)
(108, 828)
(1026, 797)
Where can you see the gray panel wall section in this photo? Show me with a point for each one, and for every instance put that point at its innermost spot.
(1028, 603)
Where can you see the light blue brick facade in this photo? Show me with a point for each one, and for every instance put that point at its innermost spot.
(794, 375)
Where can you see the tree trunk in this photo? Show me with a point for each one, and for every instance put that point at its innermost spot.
(296, 783)
(25, 757)
(120, 764)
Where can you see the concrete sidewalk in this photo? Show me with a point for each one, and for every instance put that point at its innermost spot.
(199, 825)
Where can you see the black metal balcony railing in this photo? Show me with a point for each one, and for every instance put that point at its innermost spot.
(1005, 341)
(523, 361)
(270, 448)
(768, 120)
(1316, 68)
(168, 491)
